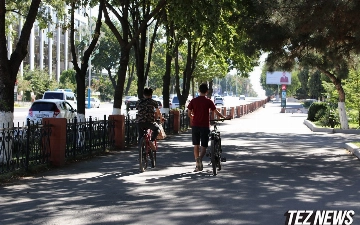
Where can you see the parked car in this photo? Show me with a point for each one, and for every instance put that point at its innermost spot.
(219, 100)
(174, 103)
(94, 102)
(159, 101)
(131, 103)
(242, 97)
(50, 108)
(69, 96)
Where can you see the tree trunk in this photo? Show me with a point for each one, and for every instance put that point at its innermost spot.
(9, 70)
(210, 89)
(130, 79)
(124, 62)
(81, 71)
(166, 83)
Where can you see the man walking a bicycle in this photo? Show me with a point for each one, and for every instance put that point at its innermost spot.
(148, 112)
(198, 111)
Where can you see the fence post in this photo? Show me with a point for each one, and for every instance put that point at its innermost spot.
(238, 111)
(232, 112)
(176, 121)
(57, 140)
(119, 130)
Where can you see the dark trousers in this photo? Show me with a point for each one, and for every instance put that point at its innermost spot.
(148, 125)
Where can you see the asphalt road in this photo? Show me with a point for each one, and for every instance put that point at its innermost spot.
(274, 164)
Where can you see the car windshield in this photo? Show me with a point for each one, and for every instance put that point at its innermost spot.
(219, 98)
(53, 95)
(43, 106)
(175, 100)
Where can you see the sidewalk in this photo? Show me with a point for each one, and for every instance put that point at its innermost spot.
(274, 163)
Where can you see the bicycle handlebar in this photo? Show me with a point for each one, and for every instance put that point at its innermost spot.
(218, 120)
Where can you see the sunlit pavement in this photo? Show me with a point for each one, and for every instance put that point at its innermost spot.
(274, 164)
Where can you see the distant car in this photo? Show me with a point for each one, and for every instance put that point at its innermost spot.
(62, 95)
(131, 103)
(159, 102)
(174, 103)
(154, 96)
(219, 100)
(50, 108)
(94, 102)
(242, 97)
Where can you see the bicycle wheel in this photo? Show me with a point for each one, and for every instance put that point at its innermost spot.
(218, 147)
(213, 156)
(143, 157)
(153, 156)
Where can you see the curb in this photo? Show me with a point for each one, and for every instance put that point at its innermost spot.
(353, 149)
(314, 128)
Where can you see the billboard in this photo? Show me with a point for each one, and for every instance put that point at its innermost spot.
(278, 77)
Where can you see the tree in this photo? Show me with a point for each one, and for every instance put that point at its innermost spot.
(10, 67)
(107, 56)
(39, 81)
(127, 36)
(303, 91)
(316, 89)
(83, 68)
(68, 80)
(297, 32)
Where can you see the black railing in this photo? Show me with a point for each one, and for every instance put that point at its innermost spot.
(131, 131)
(89, 136)
(184, 120)
(22, 147)
(168, 125)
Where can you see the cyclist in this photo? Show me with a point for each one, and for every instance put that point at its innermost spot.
(198, 111)
(146, 116)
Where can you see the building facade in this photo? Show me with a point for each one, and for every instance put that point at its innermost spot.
(49, 49)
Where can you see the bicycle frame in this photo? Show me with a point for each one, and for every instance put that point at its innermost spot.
(145, 151)
(215, 149)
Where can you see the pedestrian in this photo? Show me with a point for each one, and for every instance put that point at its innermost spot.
(199, 110)
(148, 112)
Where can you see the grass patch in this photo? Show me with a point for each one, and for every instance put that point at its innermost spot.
(354, 126)
(357, 144)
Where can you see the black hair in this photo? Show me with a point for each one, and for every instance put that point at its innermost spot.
(148, 91)
(203, 88)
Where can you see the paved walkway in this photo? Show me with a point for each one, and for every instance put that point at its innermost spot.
(274, 164)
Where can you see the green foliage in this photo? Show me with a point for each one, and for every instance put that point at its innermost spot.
(328, 117)
(104, 86)
(352, 90)
(314, 109)
(68, 80)
(316, 88)
(39, 81)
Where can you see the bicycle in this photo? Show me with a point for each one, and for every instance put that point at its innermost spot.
(215, 147)
(145, 151)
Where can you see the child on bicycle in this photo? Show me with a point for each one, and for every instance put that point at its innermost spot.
(198, 111)
(146, 116)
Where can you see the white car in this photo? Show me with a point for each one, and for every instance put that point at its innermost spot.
(174, 103)
(94, 102)
(219, 100)
(69, 96)
(50, 108)
(242, 97)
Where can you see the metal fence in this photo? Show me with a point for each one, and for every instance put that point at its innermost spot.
(89, 136)
(22, 147)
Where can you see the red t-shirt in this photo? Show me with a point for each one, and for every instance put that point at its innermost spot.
(200, 107)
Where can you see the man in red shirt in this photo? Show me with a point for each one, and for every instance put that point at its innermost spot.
(198, 111)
